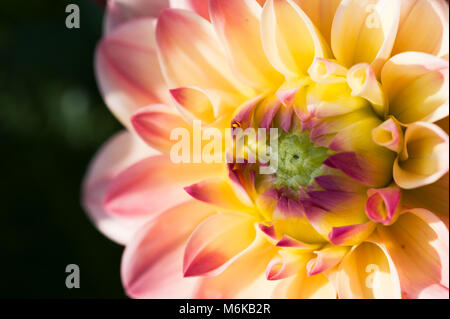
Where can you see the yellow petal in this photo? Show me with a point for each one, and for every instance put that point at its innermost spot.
(367, 272)
(303, 286)
(290, 40)
(321, 13)
(416, 85)
(418, 245)
(389, 134)
(423, 27)
(364, 31)
(237, 22)
(363, 82)
(191, 55)
(424, 158)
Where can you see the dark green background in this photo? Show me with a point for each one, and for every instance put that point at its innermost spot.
(52, 121)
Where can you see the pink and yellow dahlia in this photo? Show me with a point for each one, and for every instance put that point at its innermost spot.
(357, 206)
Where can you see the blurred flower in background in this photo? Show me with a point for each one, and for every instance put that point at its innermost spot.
(358, 207)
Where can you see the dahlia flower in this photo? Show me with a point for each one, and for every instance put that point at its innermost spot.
(357, 206)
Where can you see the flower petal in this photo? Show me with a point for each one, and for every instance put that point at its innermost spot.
(200, 7)
(302, 286)
(155, 124)
(367, 272)
(220, 193)
(153, 185)
(217, 242)
(427, 23)
(328, 209)
(364, 31)
(389, 134)
(128, 71)
(424, 158)
(285, 264)
(418, 245)
(193, 103)
(321, 13)
(120, 152)
(416, 85)
(245, 277)
(152, 262)
(433, 197)
(191, 55)
(237, 22)
(289, 219)
(327, 258)
(121, 11)
(383, 204)
(363, 82)
(290, 40)
(350, 235)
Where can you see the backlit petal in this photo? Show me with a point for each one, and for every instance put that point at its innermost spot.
(364, 31)
(418, 245)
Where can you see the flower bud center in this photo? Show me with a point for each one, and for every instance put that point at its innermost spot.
(299, 160)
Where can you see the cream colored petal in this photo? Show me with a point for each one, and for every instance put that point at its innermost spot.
(418, 245)
(290, 39)
(321, 13)
(364, 31)
(367, 272)
(416, 85)
(363, 82)
(423, 27)
(190, 54)
(237, 23)
(424, 158)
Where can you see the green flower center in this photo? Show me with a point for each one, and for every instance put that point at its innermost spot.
(299, 160)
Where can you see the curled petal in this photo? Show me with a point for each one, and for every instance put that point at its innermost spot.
(216, 242)
(237, 23)
(155, 124)
(289, 242)
(152, 261)
(289, 219)
(244, 277)
(302, 286)
(327, 210)
(364, 31)
(220, 193)
(128, 71)
(427, 23)
(351, 234)
(333, 99)
(418, 245)
(290, 40)
(193, 103)
(366, 162)
(416, 85)
(120, 152)
(326, 71)
(327, 258)
(201, 65)
(383, 204)
(153, 185)
(363, 82)
(367, 272)
(389, 134)
(285, 264)
(424, 158)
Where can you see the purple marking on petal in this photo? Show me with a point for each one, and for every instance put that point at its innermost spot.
(348, 163)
